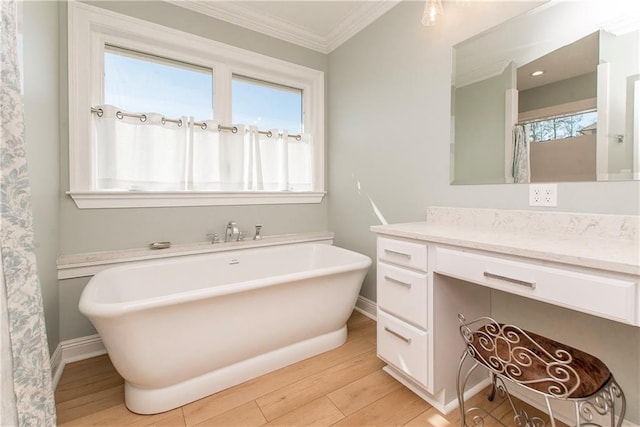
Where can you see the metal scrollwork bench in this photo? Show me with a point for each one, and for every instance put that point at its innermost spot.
(547, 367)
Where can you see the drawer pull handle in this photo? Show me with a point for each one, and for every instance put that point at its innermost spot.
(399, 282)
(395, 334)
(531, 285)
(390, 252)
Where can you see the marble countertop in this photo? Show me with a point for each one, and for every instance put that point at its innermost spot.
(611, 252)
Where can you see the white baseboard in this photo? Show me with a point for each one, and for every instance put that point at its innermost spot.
(73, 350)
(366, 307)
(56, 366)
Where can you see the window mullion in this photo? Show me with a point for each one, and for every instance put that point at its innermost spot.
(222, 94)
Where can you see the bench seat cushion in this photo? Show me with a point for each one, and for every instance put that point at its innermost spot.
(537, 362)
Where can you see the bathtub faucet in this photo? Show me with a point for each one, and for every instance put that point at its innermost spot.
(233, 233)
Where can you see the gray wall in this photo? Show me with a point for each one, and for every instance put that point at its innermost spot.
(85, 230)
(41, 135)
(62, 228)
(388, 136)
(556, 93)
(389, 111)
(73, 324)
(563, 160)
(389, 126)
(479, 129)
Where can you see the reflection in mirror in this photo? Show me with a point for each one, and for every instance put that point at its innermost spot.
(549, 96)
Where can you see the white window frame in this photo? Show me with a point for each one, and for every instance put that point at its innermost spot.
(90, 28)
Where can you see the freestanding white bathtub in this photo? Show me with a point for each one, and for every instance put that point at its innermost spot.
(181, 329)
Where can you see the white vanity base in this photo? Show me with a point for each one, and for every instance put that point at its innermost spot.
(485, 262)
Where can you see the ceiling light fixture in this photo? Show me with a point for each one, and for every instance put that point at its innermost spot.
(537, 73)
(432, 12)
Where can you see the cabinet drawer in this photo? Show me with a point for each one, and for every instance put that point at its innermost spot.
(403, 293)
(403, 346)
(400, 252)
(601, 296)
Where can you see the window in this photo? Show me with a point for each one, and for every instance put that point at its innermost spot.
(266, 105)
(166, 118)
(564, 126)
(140, 82)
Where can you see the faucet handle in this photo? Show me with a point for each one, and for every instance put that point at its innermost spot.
(258, 228)
(213, 237)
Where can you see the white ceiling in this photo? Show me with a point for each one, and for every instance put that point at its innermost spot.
(575, 59)
(321, 25)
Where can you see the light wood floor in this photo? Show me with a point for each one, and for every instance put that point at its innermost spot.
(345, 386)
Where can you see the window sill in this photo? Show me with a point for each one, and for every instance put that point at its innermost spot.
(118, 199)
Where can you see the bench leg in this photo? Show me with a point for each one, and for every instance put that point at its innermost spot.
(604, 403)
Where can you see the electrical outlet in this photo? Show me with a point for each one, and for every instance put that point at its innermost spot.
(543, 195)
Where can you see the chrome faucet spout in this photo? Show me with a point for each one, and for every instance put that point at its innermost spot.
(232, 233)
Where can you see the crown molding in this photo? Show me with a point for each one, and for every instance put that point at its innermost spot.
(368, 12)
(239, 14)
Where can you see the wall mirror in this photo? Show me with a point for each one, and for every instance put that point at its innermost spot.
(552, 95)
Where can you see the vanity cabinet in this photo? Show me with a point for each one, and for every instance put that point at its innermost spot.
(470, 262)
(423, 285)
(403, 315)
(417, 330)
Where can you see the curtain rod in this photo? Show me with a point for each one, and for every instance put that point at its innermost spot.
(143, 118)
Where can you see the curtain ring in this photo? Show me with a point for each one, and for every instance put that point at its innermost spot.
(143, 118)
(203, 126)
(119, 115)
(100, 112)
(298, 137)
(234, 130)
(179, 123)
(269, 134)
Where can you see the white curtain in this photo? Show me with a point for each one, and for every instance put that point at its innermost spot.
(140, 154)
(200, 156)
(25, 374)
(275, 156)
(521, 168)
(300, 170)
(218, 163)
(252, 160)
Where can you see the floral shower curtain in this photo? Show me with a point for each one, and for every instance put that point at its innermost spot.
(25, 376)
